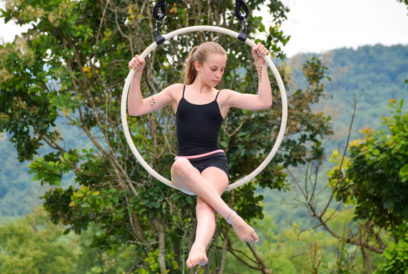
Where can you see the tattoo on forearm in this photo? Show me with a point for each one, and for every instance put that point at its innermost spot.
(260, 73)
(152, 101)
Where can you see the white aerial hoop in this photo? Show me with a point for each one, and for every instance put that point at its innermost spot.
(268, 61)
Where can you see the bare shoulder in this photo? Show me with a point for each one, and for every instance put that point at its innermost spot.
(175, 86)
(174, 93)
(171, 92)
(174, 89)
(225, 95)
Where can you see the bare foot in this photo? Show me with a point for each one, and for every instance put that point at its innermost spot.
(197, 256)
(243, 230)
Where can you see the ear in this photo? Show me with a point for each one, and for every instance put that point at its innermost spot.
(197, 66)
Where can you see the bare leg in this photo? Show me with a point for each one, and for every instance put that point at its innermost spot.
(185, 176)
(206, 218)
(204, 232)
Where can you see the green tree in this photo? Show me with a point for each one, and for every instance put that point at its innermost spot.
(71, 65)
(395, 258)
(33, 245)
(372, 181)
(351, 232)
(404, 2)
(376, 175)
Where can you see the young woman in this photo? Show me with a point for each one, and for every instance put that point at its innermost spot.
(201, 166)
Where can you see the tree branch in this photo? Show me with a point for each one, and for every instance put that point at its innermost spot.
(162, 245)
(261, 264)
(342, 158)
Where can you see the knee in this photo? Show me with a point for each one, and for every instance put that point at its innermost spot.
(180, 167)
(223, 185)
(203, 206)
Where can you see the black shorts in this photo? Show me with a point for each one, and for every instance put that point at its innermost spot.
(218, 159)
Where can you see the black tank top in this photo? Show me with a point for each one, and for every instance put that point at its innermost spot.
(197, 127)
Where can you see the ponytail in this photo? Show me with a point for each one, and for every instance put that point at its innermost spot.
(190, 72)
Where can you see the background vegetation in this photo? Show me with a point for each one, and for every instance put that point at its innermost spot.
(60, 89)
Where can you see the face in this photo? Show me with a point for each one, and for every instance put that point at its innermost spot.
(213, 69)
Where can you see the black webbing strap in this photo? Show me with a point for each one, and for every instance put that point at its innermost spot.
(240, 4)
(161, 4)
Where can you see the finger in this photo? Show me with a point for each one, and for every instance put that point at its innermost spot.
(255, 48)
(140, 59)
(135, 67)
(261, 53)
(132, 62)
(264, 52)
(261, 50)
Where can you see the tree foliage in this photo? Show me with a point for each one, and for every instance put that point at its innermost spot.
(376, 174)
(404, 2)
(71, 64)
(30, 246)
(33, 244)
(395, 258)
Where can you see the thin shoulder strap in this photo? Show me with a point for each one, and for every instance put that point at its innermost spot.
(184, 88)
(217, 95)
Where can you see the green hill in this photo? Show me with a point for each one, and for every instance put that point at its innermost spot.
(17, 193)
(370, 74)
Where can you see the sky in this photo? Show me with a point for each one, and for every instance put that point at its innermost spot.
(321, 25)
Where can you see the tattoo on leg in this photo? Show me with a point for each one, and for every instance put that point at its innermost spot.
(152, 101)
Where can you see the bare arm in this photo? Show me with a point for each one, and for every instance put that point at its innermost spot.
(137, 105)
(263, 99)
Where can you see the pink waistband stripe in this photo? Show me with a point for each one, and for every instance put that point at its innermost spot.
(200, 155)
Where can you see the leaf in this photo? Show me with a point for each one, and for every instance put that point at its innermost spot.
(403, 173)
(388, 203)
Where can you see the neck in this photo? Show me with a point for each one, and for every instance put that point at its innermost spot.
(201, 87)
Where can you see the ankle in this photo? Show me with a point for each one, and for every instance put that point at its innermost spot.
(229, 219)
(199, 245)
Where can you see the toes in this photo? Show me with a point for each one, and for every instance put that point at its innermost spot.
(251, 238)
(190, 263)
(254, 237)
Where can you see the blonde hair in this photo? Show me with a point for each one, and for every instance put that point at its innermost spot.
(200, 54)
